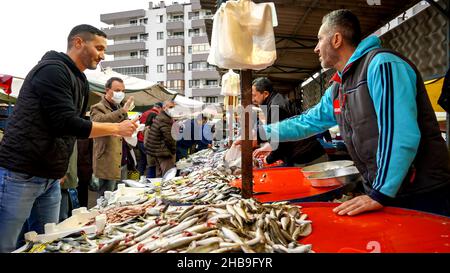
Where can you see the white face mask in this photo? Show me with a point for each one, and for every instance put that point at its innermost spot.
(118, 97)
(170, 112)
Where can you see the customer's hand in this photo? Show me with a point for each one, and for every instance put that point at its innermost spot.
(263, 151)
(127, 127)
(129, 105)
(357, 205)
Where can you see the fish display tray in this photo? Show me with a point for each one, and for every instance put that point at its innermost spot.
(390, 230)
(325, 166)
(289, 184)
(334, 177)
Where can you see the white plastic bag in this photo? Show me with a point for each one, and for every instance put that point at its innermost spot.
(231, 84)
(242, 36)
(233, 156)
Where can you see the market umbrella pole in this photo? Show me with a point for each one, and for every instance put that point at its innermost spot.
(247, 150)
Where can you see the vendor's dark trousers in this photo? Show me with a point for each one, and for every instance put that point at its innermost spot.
(437, 201)
(142, 163)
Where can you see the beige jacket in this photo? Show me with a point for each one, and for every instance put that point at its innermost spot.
(107, 151)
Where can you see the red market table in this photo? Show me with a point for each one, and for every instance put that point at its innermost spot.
(390, 230)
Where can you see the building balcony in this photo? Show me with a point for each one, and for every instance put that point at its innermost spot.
(205, 91)
(110, 18)
(175, 42)
(175, 59)
(124, 61)
(175, 75)
(198, 57)
(211, 73)
(175, 8)
(127, 29)
(128, 45)
(197, 22)
(200, 39)
(175, 25)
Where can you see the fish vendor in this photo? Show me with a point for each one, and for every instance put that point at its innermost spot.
(385, 117)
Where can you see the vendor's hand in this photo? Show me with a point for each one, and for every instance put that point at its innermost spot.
(357, 205)
(129, 105)
(62, 180)
(127, 127)
(264, 150)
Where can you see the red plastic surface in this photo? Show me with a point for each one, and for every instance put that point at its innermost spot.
(390, 230)
(282, 184)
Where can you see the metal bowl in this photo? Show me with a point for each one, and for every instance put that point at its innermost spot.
(325, 166)
(335, 177)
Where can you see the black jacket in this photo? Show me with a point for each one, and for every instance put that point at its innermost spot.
(301, 151)
(159, 141)
(47, 119)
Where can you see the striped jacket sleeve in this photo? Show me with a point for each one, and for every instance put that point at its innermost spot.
(392, 86)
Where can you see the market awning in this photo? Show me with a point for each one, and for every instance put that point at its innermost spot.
(298, 24)
(145, 93)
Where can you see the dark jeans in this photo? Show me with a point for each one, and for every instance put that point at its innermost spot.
(142, 163)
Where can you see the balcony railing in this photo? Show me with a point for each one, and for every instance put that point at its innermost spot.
(175, 37)
(175, 20)
(128, 42)
(120, 58)
(204, 69)
(201, 17)
(124, 26)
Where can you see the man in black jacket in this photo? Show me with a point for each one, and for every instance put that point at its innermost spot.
(291, 153)
(35, 151)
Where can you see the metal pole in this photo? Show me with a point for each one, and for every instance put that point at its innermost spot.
(247, 150)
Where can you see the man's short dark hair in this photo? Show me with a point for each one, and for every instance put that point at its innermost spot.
(346, 23)
(159, 104)
(263, 84)
(86, 32)
(111, 80)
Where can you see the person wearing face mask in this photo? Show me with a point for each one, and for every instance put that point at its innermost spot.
(110, 153)
(162, 146)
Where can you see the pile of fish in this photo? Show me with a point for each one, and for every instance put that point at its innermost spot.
(241, 225)
(200, 187)
(207, 158)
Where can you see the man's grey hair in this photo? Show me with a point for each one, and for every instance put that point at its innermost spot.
(263, 84)
(345, 22)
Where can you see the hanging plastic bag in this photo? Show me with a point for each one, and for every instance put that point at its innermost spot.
(231, 84)
(233, 156)
(242, 36)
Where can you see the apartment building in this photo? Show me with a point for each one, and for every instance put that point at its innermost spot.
(165, 44)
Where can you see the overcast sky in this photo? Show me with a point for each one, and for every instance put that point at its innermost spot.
(31, 28)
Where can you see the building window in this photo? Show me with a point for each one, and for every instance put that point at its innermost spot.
(211, 99)
(193, 15)
(211, 83)
(190, 49)
(143, 37)
(176, 35)
(161, 82)
(133, 70)
(177, 84)
(175, 50)
(144, 53)
(160, 68)
(175, 67)
(160, 35)
(159, 18)
(133, 22)
(143, 21)
(194, 84)
(133, 54)
(200, 66)
(160, 52)
(175, 18)
(194, 32)
(133, 38)
(200, 48)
